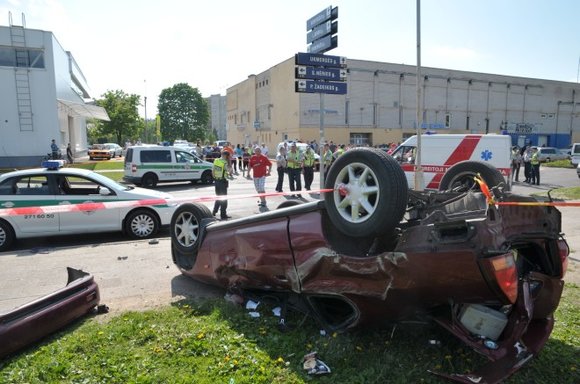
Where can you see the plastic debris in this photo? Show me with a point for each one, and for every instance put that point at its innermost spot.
(154, 241)
(252, 304)
(434, 342)
(277, 311)
(254, 314)
(313, 365)
(322, 332)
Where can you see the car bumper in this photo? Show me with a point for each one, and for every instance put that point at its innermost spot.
(30, 322)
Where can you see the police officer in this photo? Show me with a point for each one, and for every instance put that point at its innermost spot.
(221, 171)
(294, 162)
(535, 163)
(308, 167)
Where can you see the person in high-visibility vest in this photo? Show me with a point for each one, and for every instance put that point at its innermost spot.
(222, 169)
(327, 158)
(294, 161)
(535, 163)
(308, 167)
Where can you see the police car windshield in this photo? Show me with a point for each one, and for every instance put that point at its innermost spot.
(109, 183)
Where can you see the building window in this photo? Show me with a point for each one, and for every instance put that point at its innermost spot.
(22, 57)
(447, 120)
(346, 111)
(467, 123)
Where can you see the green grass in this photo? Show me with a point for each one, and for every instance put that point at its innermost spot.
(559, 164)
(568, 193)
(213, 342)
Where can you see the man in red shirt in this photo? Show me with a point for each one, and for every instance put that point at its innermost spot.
(260, 166)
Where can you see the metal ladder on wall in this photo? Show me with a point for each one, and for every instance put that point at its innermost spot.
(22, 75)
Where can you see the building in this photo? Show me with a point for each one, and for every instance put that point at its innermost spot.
(217, 115)
(42, 97)
(380, 106)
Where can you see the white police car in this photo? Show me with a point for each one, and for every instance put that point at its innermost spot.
(57, 186)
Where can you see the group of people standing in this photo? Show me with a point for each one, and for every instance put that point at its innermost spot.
(295, 163)
(258, 168)
(528, 156)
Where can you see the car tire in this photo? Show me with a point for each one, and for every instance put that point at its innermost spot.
(7, 236)
(149, 180)
(288, 203)
(141, 224)
(366, 207)
(460, 176)
(206, 177)
(90, 158)
(186, 225)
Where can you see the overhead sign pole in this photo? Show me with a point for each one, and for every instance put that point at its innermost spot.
(318, 73)
(418, 168)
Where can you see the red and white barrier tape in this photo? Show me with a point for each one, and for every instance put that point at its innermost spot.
(91, 206)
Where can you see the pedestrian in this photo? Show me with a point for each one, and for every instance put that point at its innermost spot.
(54, 150)
(516, 159)
(327, 158)
(308, 167)
(281, 168)
(294, 159)
(527, 154)
(264, 149)
(535, 163)
(260, 166)
(69, 154)
(238, 153)
(221, 171)
(245, 160)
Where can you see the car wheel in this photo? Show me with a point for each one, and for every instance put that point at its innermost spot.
(185, 225)
(369, 192)
(460, 176)
(206, 177)
(288, 203)
(141, 224)
(7, 236)
(149, 180)
(90, 158)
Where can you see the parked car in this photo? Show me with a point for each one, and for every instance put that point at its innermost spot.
(375, 252)
(546, 154)
(45, 315)
(578, 170)
(99, 151)
(115, 150)
(56, 187)
(575, 154)
(148, 166)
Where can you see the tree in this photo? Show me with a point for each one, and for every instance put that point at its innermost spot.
(184, 113)
(122, 110)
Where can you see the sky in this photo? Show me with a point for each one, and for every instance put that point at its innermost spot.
(144, 46)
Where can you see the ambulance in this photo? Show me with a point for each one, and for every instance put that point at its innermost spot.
(440, 151)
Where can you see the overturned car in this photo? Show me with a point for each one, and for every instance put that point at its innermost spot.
(374, 252)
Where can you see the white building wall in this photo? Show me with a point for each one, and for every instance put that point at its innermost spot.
(50, 120)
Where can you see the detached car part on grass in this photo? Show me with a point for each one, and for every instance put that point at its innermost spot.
(33, 321)
(374, 252)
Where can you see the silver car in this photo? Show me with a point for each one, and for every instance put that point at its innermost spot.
(45, 202)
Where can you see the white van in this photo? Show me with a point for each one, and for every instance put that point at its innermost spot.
(439, 152)
(575, 154)
(148, 166)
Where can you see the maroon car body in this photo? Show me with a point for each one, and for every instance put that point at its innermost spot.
(491, 275)
(32, 321)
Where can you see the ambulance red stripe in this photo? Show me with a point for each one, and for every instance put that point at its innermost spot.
(463, 152)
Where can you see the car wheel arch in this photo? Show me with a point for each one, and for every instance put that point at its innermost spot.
(131, 215)
(149, 180)
(7, 235)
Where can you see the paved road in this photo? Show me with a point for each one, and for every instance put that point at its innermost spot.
(139, 274)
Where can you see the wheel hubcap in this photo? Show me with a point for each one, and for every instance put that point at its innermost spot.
(186, 229)
(356, 194)
(142, 225)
